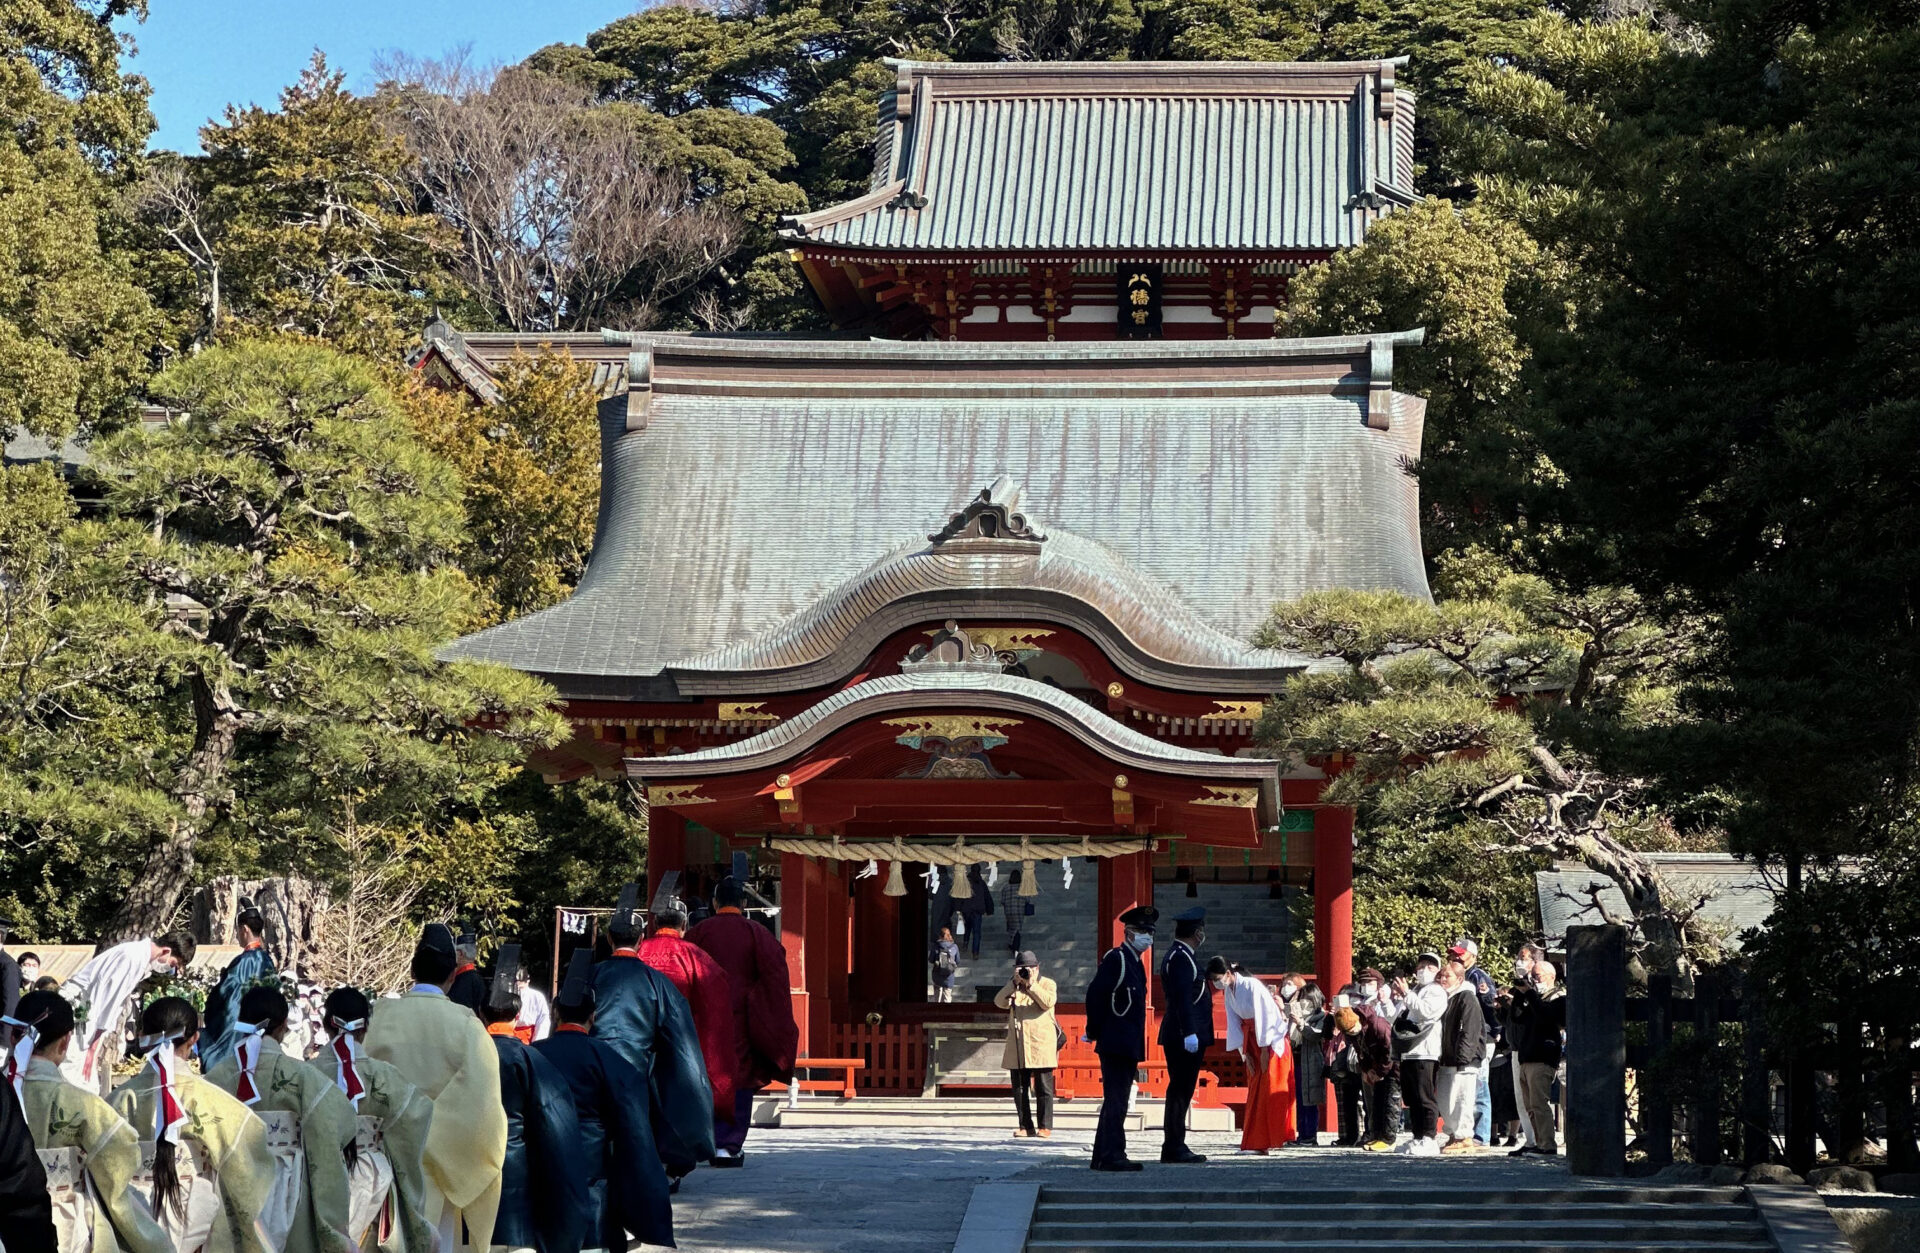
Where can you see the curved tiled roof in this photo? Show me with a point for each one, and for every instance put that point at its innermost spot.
(1142, 156)
(746, 480)
(975, 691)
(1136, 612)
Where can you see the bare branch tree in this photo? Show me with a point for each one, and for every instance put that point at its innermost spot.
(566, 213)
(167, 200)
(363, 936)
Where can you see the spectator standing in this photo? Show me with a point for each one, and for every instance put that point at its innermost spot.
(1306, 1007)
(1379, 1075)
(1537, 1021)
(1416, 1034)
(29, 973)
(1502, 1084)
(1463, 1047)
(1033, 1043)
(1467, 953)
(946, 966)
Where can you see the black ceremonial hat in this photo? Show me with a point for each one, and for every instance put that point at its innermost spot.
(627, 910)
(1141, 917)
(467, 934)
(505, 964)
(436, 937)
(578, 989)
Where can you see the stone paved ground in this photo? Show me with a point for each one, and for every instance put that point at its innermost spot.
(817, 1190)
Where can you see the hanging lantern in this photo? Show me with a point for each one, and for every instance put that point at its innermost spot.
(896, 886)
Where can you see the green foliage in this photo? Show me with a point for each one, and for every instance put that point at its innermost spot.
(532, 468)
(74, 328)
(298, 221)
(292, 539)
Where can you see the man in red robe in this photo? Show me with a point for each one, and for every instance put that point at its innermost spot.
(707, 989)
(765, 1036)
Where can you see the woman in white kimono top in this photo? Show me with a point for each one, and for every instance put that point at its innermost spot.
(1257, 1028)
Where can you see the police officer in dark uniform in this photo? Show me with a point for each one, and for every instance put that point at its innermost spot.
(1117, 1025)
(1186, 1029)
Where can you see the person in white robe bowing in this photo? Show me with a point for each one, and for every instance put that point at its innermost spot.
(101, 993)
(1257, 1029)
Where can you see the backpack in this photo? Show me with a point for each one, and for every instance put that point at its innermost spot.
(943, 961)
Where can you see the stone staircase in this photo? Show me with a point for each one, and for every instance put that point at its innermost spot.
(1246, 923)
(1394, 1220)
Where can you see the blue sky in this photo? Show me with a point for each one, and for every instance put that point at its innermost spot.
(201, 55)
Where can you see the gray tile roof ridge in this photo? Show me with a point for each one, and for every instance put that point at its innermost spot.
(1101, 69)
(947, 689)
(988, 352)
(1152, 616)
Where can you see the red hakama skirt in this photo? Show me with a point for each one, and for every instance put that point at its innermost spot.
(1271, 1117)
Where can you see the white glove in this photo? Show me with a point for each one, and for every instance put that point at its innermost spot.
(1191, 1044)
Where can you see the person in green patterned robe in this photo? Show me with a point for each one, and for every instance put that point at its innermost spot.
(263, 1077)
(62, 1116)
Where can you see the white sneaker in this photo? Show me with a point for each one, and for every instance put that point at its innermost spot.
(1425, 1148)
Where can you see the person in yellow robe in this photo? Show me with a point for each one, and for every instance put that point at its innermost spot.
(262, 1076)
(212, 1171)
(387, 1180)
(440, 1047)
(62, 1116)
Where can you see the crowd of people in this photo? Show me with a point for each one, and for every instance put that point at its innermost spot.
(1437, 1060)
(465, 1113)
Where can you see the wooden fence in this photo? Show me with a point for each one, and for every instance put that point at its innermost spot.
(1699, 1076)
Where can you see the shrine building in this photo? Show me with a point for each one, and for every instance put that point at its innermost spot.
(886, 620)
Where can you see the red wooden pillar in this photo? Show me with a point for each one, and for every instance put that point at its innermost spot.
(819, 980)
(793, 938)
(838, 917)
(1125, 881)
(666, 847)
(1333, 897)
(876, 944)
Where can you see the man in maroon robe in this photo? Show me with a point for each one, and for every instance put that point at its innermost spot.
(765, 1036)
(707, 989)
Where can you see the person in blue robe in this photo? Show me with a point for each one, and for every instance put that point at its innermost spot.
(252, 968)
(543, 1194)
(639, 1012)
(627, 1188)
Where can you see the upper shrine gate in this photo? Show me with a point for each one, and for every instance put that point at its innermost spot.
(981, 595)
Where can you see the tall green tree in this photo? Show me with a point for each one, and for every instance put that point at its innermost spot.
(75, 330)
(299, 220)
(291, 542)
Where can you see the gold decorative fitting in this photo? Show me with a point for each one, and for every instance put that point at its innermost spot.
(1004, 639)
(1115, 690)
(785, 780)
(1233, 711)
(1230, 797)
(951, 727)
(1119, 780)
(746, 711)
(677, 796)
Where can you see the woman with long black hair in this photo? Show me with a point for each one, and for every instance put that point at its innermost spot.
(211, 1168)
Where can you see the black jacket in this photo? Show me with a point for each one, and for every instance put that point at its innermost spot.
(1186, 1000)
(1117, 1005)
(1534, 1023)
(1463, 1030)
(543, 1185)
(469, 989)
(627, 1188)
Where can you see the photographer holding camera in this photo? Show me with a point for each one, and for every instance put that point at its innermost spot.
(1033, 1042)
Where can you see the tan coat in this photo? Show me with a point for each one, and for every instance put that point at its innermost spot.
(1033, 1040)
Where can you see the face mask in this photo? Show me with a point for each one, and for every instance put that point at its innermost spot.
(1423, 976)
(160, 967)
(1139, 941)
(1369, 990)
(1286, 991)
(29, 973)
(1520, 968)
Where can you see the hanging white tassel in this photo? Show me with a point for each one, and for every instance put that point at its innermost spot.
(1029, 879)
(868, 871)
(896, 886)
(1066, 873)
(993, 873)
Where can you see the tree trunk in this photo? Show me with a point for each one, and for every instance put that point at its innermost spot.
(154, 899)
